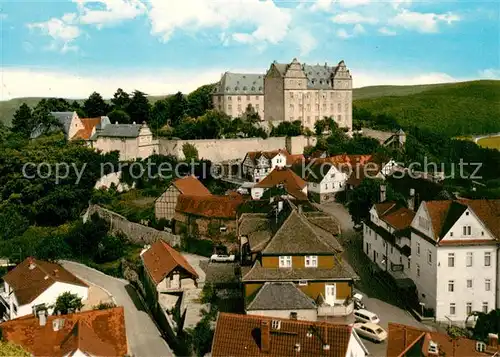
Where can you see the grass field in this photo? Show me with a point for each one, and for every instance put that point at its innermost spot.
(491, 142)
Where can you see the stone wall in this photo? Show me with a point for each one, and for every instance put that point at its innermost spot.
(217, 150)
(135, 232)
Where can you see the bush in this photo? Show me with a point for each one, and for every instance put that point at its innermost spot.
(197, 246)
(104, 306)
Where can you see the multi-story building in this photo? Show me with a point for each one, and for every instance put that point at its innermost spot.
(454, 257)
(308, 93)
(236, 91)
(258, 164)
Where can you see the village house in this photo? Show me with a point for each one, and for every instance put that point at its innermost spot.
(282, 179)
(36, 283)
(132, 141)
(454, 257)
(207, 215)
(255, 336)
(258, 164)
(386, 238)
(90, 127)
(166, 203)
(408, 341)
(325, 180)
(91, 333)
(167, 270)
(309, 261)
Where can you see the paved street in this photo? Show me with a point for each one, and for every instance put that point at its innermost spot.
(143, 336)
(340, 212)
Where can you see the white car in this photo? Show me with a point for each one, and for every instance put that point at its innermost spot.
(370, 331)
(220, 258)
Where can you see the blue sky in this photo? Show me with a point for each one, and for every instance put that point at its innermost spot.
(72, 47)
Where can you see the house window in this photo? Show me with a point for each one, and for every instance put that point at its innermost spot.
(275, 324)
(468, 308)
(229, 107)
(451, 286)
(423, 223)
(418, 270)
(487, 259)
(239, 98)
(469, 283)
(485, 307)
(15, 308)
(230, 98)
(451, 234)
(302, 282)
(487, 284)
(468, 259)
(452, 308)
(311, 261)
(429, 257)
(418, 248)
(467, 230)
(285, 261)
(451, 260)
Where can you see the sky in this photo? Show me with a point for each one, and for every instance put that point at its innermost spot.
(70, 48)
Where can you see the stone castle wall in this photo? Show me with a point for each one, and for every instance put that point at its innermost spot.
(135, 232)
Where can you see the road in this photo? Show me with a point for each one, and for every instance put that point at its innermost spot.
(144, 338)
(340, 212)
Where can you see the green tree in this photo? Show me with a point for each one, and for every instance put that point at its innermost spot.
(120, 100)
(200, 100)
(23, 121)
(487, 323)
(95, 106)
(287, 128)
(190, 152)
(67, 303)
(119, 116)
(76, 107)
(250, 115)
(55, 104)
(12, 222)
(9, 349)
(139, 107)
(160, 114)
(177, 107)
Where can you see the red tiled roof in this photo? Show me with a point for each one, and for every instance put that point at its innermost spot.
(384, 207)
(161, 259)
(438, 211)
(209, 206)
(29, 282)
(403, 338)
(400, 218)
(241, 335)
(488, 212)
(292, 183)
(88, 125)
(94, 333)
(293, 159)
(190, 185)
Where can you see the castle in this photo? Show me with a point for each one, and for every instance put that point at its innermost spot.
(289, 92)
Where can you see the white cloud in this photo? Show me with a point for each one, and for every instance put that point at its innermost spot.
(306, 42)
(322, 5)
(351, 17)
(342, 33)
(358, 29)
(73, 85)
(422, 22)
(113, 11)
(353, 3)
(490, 73)
(386, 31)
(270, 23)
(63, 33)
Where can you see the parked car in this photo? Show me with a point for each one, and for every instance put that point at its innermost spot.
(221, 258)
(370, 331)
(358, 303)
(363, 315)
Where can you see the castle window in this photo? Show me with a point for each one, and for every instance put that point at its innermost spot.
(236, 88)
(260, 88)
(248, 97)
(253, 88)
(245, 88)
(229, 98)
(239, 98)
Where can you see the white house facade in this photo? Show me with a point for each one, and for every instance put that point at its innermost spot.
(324, 182)
(454, 258)
(257, 165)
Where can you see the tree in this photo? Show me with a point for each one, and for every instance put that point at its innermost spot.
(159, 114)
(177, 106)
(287, 128)
(119, 116)
(120, 100)
(12, 222)
(95, 106)
(139, 107)
(250, 115)
(487, 323)
(200, 100)
(9, 349)
(22, 121)
(76, 107)
(67, 303)
(190, 152)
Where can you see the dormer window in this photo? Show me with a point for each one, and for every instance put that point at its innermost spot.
(285, 261)
(433, 347)
(275, 324)
(480, 346)
(253, 88)
(245, 88)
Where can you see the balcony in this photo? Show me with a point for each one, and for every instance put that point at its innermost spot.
(342, 309)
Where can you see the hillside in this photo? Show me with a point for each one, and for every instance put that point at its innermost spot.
(396, 91)
(454, 109)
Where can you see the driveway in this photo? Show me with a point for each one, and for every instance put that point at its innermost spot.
(144, 338)
(340, 212)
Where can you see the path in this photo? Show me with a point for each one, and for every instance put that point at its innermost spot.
(144, 338)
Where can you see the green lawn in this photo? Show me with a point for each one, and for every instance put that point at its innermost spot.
(491, 143)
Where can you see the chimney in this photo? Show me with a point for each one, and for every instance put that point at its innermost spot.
(493, 340)
(265, 336)
(411, 199)
(42, 317)
(382, 193)
(31, 262)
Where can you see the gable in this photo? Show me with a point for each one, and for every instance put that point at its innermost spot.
(467, 219)
(164, 196)
(422, 221)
